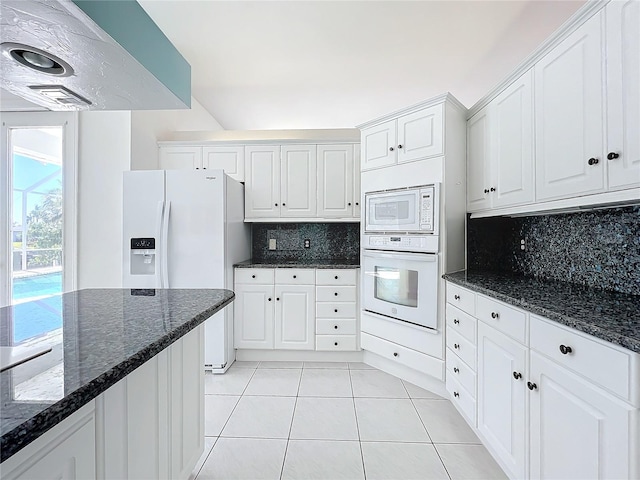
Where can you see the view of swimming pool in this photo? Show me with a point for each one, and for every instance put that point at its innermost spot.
(44, 314)
(37, 286)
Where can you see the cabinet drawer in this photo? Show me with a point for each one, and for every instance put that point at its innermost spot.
(338, 276)
(336, 294)
(263, 276)
(462, 347)
(338, 326)
(405, 334)
(462, 298)
(602, 363)
(340, 343)
(406, 356)
(295, 276)
(502, 317)
(462, 399)
(336, 309)
(463, 323)
(461, 372)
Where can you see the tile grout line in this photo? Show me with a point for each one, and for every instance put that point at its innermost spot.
(293, 416)
(355, 412)
(206, 458)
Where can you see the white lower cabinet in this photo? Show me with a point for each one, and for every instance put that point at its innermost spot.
(578, 431)
(502, 396)
(295, 309)
(552, 402)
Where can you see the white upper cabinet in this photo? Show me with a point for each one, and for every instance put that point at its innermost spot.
(262, 182)
(180, 157)
(298, 181)
(356, 182)
(512, 144)
(623, 93)
(227, 158)
(420, 134)
(410, 137)
(478, 161)
(379, 145)
(569, 115)
(335, 181)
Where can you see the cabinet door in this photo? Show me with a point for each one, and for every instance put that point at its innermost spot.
(335, 181)
(420, 134)
(179, 158)
(379, 145)
(623, 92)
(478, 174)
(569, 115)
(298, 177)
(512, 144)
(253, 314)
(501, 397)
(230, 159)
(262, 182)
(356, 181)
(577, 430)
(295, 317)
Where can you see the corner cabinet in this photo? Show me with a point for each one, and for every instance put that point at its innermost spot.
(552, 402)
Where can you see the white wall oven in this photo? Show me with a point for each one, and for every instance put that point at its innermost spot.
(403, 286)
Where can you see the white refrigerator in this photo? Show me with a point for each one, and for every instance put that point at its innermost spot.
(185, 229)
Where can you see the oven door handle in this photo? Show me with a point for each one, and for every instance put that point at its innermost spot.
(414, 257)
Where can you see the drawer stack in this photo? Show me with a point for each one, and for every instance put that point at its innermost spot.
(461, 349)
(336, 310)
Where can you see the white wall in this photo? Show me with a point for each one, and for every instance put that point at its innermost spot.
(104, 152)
(147, 127)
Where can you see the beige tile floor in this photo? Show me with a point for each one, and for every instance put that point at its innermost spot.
(289, 420)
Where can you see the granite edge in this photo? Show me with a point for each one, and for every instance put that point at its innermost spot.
(341, 266)
(25, 433)
(572, 322)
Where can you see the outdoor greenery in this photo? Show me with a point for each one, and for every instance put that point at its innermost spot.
(44, 230)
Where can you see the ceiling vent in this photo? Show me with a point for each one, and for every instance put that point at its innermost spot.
(61, 95)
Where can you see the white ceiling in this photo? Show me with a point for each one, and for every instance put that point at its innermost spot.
(336, 64)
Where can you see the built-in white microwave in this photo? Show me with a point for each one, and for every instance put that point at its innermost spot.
(408, 210)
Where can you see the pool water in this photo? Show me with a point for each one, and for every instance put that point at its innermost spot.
(38, 317)
(37, 286)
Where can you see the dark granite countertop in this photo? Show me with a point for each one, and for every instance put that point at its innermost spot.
(98, 336)
(608, 315)
(301, 263)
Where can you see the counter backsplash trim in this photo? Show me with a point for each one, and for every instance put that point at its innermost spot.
(328, 241)
(599, 249)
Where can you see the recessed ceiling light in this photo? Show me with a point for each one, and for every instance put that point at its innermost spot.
(37, 59)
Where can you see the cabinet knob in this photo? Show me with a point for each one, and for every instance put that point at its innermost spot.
(456, 394)
(276, 204)
(399, 146)
(204, 168)
(486, 190)
(284, 204)
(253, 276)
(495, 315)
(456, 346)
(517, 375)
(336, 344)
(395, 354)
(277, 299)
(335, 326)
(456, 370)
(357, 203)
(295, 276)
(593, 161)
(493, 189)
(336, 294)
(532, 386)
(349, 204)
(197, 168)
(612, 155)
(335, 310)
(457, 297)
(336, 277)
(456, 321)
(564, 349)
(269, 299)
(391, 149)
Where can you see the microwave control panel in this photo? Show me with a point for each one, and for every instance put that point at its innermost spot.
(426, 209)
(408, 243)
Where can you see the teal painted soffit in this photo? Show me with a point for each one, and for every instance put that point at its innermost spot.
(129, 25)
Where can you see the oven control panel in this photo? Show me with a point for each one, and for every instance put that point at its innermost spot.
(404, 243)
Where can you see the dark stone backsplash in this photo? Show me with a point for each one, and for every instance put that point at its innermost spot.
(329, 241)
(599, 249)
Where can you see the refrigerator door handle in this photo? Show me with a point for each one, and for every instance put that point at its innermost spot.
(159, 220)
(165, 246)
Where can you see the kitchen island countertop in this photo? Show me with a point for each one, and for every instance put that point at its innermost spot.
(98, 337)
(608, 315)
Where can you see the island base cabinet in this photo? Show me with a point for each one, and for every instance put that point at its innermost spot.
(66, 452)
(576, 428)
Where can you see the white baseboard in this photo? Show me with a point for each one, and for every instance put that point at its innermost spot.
(296, 356)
